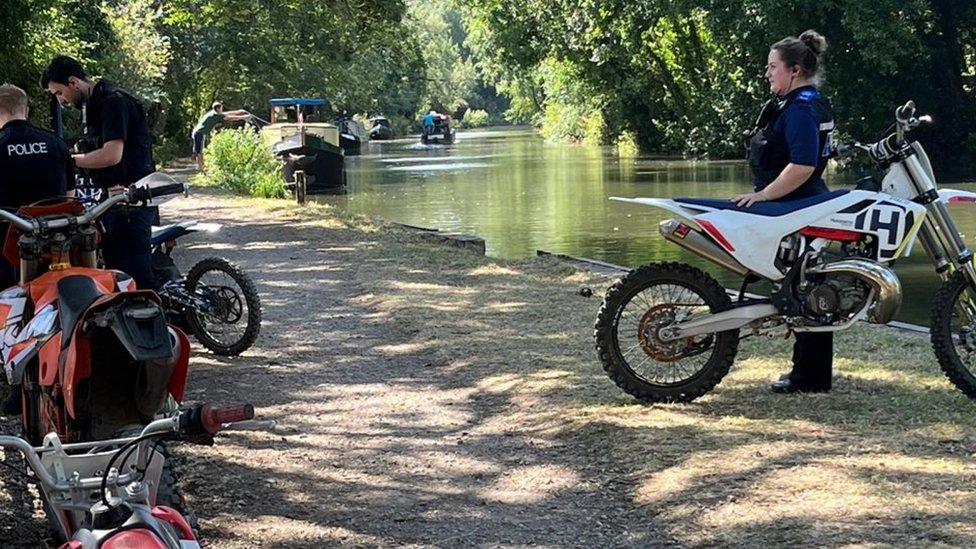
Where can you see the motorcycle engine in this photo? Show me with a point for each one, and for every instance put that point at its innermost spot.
(841, 295)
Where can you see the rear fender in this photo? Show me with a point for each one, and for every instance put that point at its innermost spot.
(181, 350)
(140, 326)
(683, 211)
(140, 329)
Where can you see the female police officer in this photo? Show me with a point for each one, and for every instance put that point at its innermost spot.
(788, 152)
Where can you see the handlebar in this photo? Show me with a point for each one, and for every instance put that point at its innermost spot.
(885, 149)
(197, 424)
(905, 113)
(140, 191)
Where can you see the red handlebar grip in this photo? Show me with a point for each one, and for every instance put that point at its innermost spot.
(212, 418)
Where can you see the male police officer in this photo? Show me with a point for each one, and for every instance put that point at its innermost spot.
(34, 165)
(120, 154)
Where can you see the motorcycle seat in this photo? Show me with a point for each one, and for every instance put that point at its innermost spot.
(75, 295)
(773, 208)
(170, 232)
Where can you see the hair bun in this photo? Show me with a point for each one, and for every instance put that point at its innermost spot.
(815, 41)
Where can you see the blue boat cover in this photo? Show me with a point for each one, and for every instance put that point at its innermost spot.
(774, 208)
(292, 101)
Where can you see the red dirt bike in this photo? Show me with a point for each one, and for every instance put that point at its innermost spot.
(103, 499)
(93, 355)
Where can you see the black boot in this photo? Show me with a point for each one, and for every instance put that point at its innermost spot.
(787, 385)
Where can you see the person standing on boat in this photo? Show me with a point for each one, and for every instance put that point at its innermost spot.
(206, 125)
(788, 152)
(428, 122)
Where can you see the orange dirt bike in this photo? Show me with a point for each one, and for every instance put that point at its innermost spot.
(92, 354)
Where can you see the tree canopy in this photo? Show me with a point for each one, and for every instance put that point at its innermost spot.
(674, 76)
(685, 76)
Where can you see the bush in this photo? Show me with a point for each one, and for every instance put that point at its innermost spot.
(240, 161)
(474, 118)
(627, 144)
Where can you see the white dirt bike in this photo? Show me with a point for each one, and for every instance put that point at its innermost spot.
(668, 332)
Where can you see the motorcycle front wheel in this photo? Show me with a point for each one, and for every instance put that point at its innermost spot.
(633, 312)
(953, 332)
(231, 323)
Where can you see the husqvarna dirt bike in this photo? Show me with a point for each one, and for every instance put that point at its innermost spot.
(104, 499)
(668, 332)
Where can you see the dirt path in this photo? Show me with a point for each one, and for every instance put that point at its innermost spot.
(376, 445)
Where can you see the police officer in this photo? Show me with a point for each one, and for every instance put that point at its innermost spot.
(788, 152)
(120, 153)
(34, 165)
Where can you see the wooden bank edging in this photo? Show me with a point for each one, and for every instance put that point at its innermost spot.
(610, 270)
(436, 236)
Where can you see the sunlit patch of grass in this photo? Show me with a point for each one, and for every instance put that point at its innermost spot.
(531, 484)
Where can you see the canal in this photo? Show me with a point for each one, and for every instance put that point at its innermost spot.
(522, 194)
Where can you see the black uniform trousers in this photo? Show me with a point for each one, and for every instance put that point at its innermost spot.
(126, 246)
(813, 360)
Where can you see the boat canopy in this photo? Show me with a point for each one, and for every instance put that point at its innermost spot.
(292, 101)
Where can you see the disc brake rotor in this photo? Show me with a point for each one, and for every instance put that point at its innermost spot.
(648, 335)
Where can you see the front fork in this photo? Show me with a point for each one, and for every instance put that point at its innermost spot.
(941, 239)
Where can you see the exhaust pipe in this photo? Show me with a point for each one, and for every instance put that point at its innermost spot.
(887, 287)
(697, 243)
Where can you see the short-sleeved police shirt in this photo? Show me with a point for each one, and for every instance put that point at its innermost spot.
(113, 114)
(34, 165)
(800, 125)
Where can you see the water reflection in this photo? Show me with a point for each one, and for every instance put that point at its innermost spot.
(522, 194)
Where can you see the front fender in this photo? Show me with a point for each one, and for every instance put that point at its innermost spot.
(953, 196)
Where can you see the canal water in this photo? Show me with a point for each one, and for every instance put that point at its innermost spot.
(522, 194)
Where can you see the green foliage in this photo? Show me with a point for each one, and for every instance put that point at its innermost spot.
(449, 78)
(627, 146)
(238, 160)
(685, 76)
(142, 53)
(474, 118)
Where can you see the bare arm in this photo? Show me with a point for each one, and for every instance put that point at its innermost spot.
(109, 155)
(789, 180)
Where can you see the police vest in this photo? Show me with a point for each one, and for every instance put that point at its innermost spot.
(769, 153)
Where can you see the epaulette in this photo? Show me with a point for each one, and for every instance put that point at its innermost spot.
(806, 96)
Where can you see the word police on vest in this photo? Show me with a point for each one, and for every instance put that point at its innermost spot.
(24, 149)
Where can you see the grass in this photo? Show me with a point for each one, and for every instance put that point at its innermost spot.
(885, 459)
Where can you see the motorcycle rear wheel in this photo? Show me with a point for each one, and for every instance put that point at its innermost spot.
(953, 334)
(626, 331)
(236, 321)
